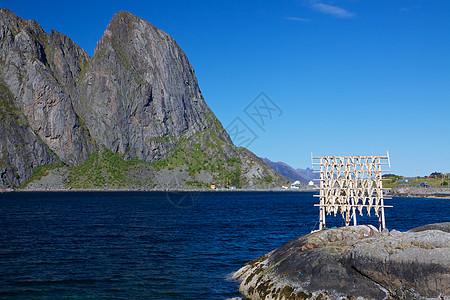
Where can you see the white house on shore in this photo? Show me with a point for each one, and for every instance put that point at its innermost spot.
(295, 185)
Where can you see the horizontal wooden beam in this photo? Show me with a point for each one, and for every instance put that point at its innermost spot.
(351, 205)
(352, 157)
(351, 171)
(356, 196)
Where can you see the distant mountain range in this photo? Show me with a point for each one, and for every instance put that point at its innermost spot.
(302, 175)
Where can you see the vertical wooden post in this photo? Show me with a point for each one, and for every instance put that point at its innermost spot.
(354, 210)
(320, 216)
(383, 223)
(322, 197)
(352, 201)
(322, 213)
(381, 196)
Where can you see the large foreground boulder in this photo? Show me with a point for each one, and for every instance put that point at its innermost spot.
(354, 263)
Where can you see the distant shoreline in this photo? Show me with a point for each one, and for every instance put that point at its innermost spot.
(419, 192)
(156, 190)
(399, 191)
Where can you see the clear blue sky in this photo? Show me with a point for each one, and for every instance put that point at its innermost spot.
(351, 77)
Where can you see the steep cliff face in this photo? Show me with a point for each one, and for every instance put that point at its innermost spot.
(40, 71)
(140, 95)
(20, 149)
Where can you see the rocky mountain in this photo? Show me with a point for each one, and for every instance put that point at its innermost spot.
(134, 105)
(302, 175)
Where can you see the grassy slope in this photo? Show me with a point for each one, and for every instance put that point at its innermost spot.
(107, 169)
(393, 181)
(102, 169)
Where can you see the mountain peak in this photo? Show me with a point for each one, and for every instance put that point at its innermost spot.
(7, 12)
(124, 13)
(125, 20)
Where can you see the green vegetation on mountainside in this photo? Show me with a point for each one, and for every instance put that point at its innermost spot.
(392, 181)
(9, 113)
(225, 173)
(102, 169)
(204, 151)
(107, 169)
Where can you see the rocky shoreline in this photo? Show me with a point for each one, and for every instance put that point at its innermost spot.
(419, 192)
(354, 263)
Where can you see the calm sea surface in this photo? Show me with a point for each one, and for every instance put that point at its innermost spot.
(157, 245)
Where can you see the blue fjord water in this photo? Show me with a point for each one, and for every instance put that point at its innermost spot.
(157, 245)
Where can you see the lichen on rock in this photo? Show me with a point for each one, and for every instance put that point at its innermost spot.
(353, 263)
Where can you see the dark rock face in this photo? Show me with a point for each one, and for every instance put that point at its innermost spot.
(40, 71)
(353, 262)
(20, 149)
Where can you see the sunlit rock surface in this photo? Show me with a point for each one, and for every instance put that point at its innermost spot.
(354, 263)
